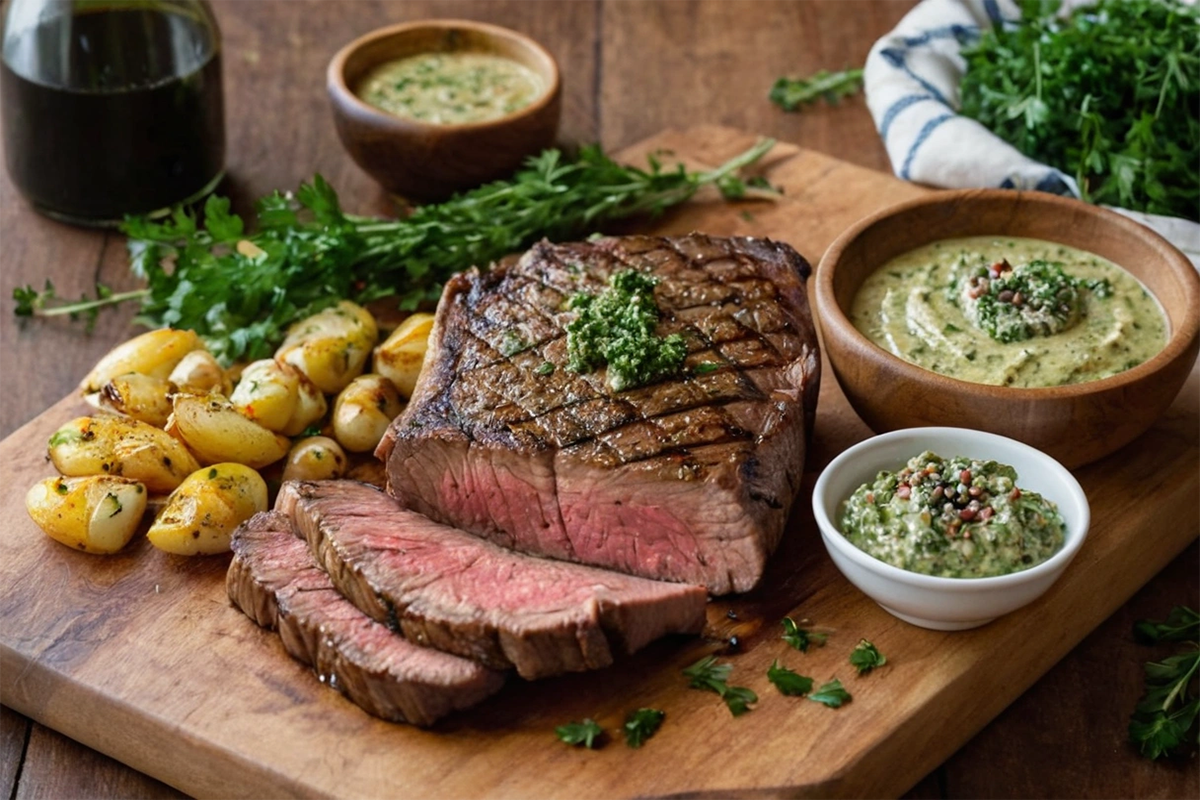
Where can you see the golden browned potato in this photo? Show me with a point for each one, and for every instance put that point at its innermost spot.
(402, 354)
(215, 431)
(267, 393)
(331, 347)
(199, 373)
(95, 514)
(363, 412)
(155, 353)
(142, 397)
(310, 406)
(124, 447)
(315, 458)
(200, 516)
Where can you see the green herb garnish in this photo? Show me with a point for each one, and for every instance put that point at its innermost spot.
(800, 638)
(586, 733)
(832, 694)
(640, 725)
(708, 675)
(792, 93)
(616, 328)
(1109, 94)
(241, 290)
(1167, 718)
(866, 657)
(788, 682)
(1012, 304)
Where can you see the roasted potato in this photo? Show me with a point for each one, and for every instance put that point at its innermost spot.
(363, 411)
(267, 393)
(200, 373)
(315, 458)
(124, 447)
(200, 515)
(155, 353)
(402, 354)
(331, 347)
(310, 406)
(95, 514)
(215, 431)
(142, 397)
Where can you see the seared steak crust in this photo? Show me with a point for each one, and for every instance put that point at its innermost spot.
(447, 589)
(690, 479)
(274, 580)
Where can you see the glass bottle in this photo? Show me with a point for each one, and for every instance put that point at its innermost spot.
(111, 107)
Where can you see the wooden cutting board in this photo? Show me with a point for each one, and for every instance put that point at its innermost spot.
(141, 656)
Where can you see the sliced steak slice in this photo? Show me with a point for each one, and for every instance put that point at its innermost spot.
(690, 479)
(275, 581)
(450, 590)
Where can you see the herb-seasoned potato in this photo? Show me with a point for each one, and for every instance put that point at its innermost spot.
(155, 353)
(310, 406)
(363, 412)
(120, 446)
(200, 373)
(142, 397)
(331, 347)
(215, 431)
(402, 354)
(201, 514)
(267, 393)
(95, 514)
(315, 458)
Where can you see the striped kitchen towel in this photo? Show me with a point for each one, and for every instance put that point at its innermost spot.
(912, 79)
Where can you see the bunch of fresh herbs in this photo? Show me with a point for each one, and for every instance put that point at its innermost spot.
(1109, 93)
(240, 290)
(1167, 719)
(791, 94)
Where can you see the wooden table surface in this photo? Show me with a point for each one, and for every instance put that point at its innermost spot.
(631, 68)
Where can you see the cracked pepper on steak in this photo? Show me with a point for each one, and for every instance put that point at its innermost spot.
(689, 479)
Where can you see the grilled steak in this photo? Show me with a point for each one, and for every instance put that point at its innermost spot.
(456, 592)
(689, 479)
(275, 581)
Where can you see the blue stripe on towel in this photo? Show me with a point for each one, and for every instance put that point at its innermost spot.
(960, 33)
(928, 128)
(1053, 183)
(895, 108)
(993, 11)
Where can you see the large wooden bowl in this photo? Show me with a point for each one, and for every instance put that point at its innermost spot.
(421, 161)
(1075, 424)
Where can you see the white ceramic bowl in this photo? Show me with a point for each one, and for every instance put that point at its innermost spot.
(947, 603)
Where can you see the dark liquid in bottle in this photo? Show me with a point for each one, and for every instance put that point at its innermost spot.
(113, 112)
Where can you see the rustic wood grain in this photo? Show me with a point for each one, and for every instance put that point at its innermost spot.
(167, 619)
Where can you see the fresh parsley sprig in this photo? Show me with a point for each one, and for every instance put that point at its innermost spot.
(641, 724)
(710, 676)
(1167, 718)
(801, 638)
(586, 733)
(791, 94)
(787, 681)
(866, 657)
(240, 290)
(831, 694)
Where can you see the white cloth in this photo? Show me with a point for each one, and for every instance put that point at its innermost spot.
(912, 80)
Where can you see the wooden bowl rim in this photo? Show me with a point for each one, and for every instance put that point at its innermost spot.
(336, 78)
(834, 320)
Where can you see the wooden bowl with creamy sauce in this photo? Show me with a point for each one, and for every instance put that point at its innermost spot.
(1077, 422)
(418, 148)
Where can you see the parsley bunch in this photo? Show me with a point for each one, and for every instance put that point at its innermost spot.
(792, 93)
(240, 290)
(1109, 94)
(1167, 719)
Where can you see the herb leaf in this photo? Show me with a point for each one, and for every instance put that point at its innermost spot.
(1166, 720)
(707, 675)
(792, 93)
(832, 694)
(640, 725)
(586, 733)
(866, 657)
(788, 682)
(800, 638)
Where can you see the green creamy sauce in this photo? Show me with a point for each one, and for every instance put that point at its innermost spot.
(953, 518)
(940, 308)
(451, 88)
(616, 328)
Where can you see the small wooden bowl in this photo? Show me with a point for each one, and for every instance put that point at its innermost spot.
(425, 162)
(1075, 424)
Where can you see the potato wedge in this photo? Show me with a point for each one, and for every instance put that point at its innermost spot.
(123, 447)
(200, 373)
(402, 354)
(311, 406)
(142, 397)
(215, 431)
(331, 347)
(95, 514)
(155, 353)
(315, 458)
(363, 411)
(200, 515)
(268, 393)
